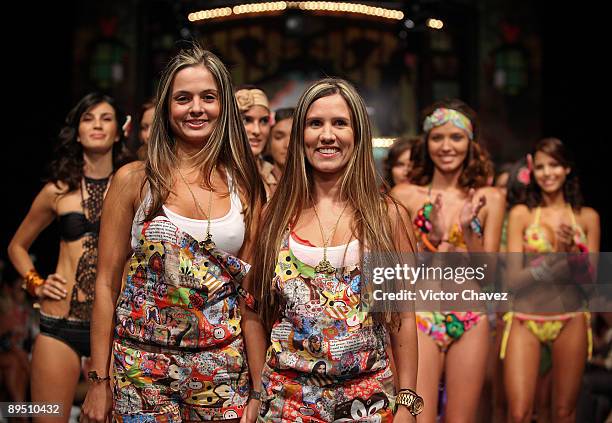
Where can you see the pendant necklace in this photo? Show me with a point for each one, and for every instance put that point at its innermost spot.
(207, 242)
(324, 265)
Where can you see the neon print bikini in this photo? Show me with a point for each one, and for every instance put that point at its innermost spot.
(444, 327)
(537, 239)
(422, 223)
(546, 328)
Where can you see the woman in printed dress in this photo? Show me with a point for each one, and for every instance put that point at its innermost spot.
(172, 327)
(327, 359)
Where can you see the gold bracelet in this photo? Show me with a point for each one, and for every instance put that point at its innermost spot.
(32, 281)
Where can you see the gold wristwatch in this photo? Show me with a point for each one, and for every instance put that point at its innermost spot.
(411, 400)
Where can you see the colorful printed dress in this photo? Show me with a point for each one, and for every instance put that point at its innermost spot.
(178, 349)
(327, 360)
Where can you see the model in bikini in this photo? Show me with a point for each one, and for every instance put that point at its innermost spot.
(91, 146)
(453, 210)
(553, 220)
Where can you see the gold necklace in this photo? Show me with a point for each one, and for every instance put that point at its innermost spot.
(324, 265)
(208, 242)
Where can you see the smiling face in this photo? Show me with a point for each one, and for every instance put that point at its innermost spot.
(194, 105)
(257, 125)
(401, 168)
(329, 140)
(98, 128)
(279, 141)
(549, 174)
(448, 147)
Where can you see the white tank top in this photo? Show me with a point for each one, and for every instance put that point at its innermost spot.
(336, 254)
(227, 231)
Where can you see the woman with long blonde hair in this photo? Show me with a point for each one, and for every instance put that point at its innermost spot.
(328, 359)
(181, 219)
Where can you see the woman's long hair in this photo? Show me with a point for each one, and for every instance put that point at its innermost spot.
(359, 186)
(227, 146)
(67, 167)
(477, 166)
(571, 188)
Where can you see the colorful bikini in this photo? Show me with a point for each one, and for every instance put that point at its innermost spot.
(423, 225)
(546, 328)
(444, 327)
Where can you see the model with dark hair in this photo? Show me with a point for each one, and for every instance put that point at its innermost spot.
(553, 220)
(91, 146)
(453, 210)
(398, 163)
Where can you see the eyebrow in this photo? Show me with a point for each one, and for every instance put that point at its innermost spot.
(111, 114)
(209, 90)
(333, 118)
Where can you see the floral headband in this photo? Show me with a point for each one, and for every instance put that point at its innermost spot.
(442, 115)
(247, 98)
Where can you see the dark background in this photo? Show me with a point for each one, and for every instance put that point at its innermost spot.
(39, 69)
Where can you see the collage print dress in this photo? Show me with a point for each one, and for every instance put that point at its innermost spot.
(181, 297)
(327, 360)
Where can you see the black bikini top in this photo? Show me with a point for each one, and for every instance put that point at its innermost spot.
(75, 225)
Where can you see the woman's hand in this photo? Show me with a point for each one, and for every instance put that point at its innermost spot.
(469, 211)
(251, 411)
(437, 221)
(402, 415)
(98, 403)
(53, 288)
(566, 242)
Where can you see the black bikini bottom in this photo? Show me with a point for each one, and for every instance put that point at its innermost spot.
(74, 333)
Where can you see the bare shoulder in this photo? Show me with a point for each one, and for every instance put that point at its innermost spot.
(409, 195)
(133, 172)
(588, 215)
(403, 190)
(131, 175)
(54, 189)
(519, 212)
(129, 180)
(491, 193)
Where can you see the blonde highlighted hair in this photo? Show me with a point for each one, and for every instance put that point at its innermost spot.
(227, 146)
(370, 220)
